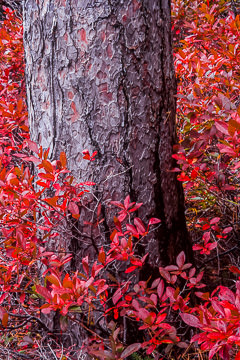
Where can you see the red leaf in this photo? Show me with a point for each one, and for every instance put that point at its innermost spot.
(118, 204)
(40, 183)
(20, 105)
(52, 201)
(179, 156)
(234, 269)
(63, 159)
(127, 202)
(206, 236)
(171, 268)
(47, 166)
(132, 229)
(130, 350)
(224, 149)
(102, 256)
(66, 259)
(53, 279)
(218, 307)
(136, 262)
(160, 289)
(67, 282)
(151, 318)
(181, 259)
(86, 153)
(197, 247)
(155, 283)
(165, 274)
(143, 313)
(93, 155)
(43, 292)
(151, 349)
(212, 246)
(135, 304)
(154, 299)
(46, 176)
(131, 269)
(222, 127)
(227, 294)
(2, 298)
(205, 227)
(85, 264)
(153, 221)
(117, 223)
(235, 124)
(122, 215)
(117, 296)
(102, 354)
(190, 320)
(136, 207)
(139, 225)
(73, 208)
(214, 220)
(32, 146)
(5, 319)
(213, 351)
(161, 317)
(99, 209)
(170, 292)
(227, 230)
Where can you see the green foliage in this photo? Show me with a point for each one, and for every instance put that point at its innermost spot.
(137, 356)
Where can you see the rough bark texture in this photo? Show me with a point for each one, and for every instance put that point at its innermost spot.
(12, 4)
(100, 76)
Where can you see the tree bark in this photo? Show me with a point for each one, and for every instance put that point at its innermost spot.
(13, 5)
(100, 75)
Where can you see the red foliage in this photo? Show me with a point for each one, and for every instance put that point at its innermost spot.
(207, 65)
(35, 279)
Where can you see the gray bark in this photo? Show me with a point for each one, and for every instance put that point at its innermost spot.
(13, 5)
(100, 75)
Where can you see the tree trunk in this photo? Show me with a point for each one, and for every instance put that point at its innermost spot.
(100, 76)
(13, 5)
